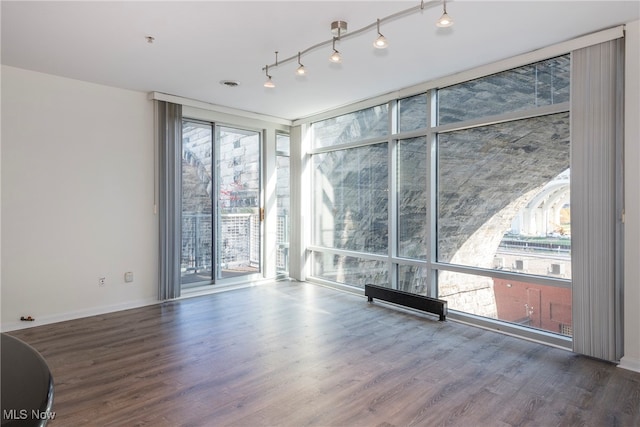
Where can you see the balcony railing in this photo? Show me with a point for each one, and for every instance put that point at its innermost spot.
(239, 242)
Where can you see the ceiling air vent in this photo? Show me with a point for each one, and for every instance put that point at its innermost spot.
(230, 83)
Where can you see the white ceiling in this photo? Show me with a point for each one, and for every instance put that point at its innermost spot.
(198, 44)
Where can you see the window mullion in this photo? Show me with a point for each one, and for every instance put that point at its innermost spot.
(392, 192)
(432, 211)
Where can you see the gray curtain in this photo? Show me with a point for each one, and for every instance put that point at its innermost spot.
(596, 198)
(169, 140)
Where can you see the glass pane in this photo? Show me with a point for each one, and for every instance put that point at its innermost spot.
(283, 205)
(195, 261)
(364, 124)
(412, 198)
(282, 144)
(238, 238)
(412, 279)
(503, 196)
(537, 306)
(412, 113)
(535, 85)
(351, 199)
(349, 270)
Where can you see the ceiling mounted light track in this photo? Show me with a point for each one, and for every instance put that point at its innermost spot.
(339, 28)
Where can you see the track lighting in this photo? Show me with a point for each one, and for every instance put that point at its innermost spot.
(335, 56)
(339, 28)
(301, 71)
(381, 42)
(445, 20)
(269, 83)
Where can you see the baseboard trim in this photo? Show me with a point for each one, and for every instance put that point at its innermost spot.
(96, 311)
(630, 364)
(79, 314)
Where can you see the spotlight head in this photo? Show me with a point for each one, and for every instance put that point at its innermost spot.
(381, 42)
(444, 21)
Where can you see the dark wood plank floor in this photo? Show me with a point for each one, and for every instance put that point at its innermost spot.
(294, 354)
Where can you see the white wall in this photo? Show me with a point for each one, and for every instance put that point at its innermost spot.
(77, 198)
(631, 359)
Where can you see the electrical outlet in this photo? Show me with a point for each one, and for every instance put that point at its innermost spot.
(128, 276)
(102, 281)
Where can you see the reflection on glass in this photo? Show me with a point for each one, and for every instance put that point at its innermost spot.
(195, 259)
(412, 279)
(503, 196)
(364, 124)
(412, 113)
(412, 198)
(535, 85)
(282, 144)
(351, 199)
(349, 270)
(238, 238)
(527, 304)
(283, 203)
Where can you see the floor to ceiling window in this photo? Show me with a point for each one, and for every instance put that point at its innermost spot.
(461, 193)
(350, 208)
(503, 204)
(283, 202)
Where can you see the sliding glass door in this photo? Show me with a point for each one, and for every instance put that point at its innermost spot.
(196, 261)
(219, 240)
(238, 222)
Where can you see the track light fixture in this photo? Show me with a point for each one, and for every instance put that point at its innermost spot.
(338, 28)
(301, 71)
(445, 20)
(269, 83)
(381, 42)
(335, 56)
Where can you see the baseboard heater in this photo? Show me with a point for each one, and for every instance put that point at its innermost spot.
(419, 302)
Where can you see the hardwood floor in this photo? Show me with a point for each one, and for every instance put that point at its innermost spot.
(296, 354)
